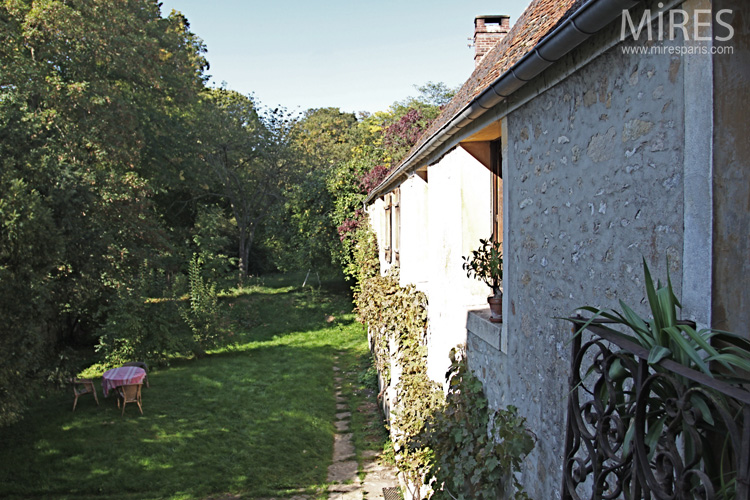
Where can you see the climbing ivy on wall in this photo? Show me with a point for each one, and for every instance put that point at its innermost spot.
(477, 450)
(397, 320)
(452, 443)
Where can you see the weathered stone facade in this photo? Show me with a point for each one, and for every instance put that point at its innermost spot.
(594, 184)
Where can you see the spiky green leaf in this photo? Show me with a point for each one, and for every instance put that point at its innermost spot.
(657, 353)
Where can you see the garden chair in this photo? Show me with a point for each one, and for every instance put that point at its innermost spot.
(139, 364)
(129, 394)
(83, 386)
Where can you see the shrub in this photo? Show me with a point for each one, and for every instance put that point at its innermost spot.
(140, 326)
(476, 450)
(202, 311)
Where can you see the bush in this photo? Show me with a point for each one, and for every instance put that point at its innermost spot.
(202, 312)
(142, 327)
(476, 450)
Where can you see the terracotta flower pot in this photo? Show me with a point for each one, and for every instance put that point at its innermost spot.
(496, 308)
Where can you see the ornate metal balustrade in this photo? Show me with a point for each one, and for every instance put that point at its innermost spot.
(637, 431)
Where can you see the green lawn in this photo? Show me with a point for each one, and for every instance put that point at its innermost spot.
(255, 419)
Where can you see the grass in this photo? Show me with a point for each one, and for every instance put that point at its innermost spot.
(361, 389)
(253, 419)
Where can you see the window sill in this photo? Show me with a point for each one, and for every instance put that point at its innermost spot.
(478, 324)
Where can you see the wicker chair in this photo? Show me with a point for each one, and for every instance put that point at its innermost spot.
(139, 364)
(83, 386)
(129, 394)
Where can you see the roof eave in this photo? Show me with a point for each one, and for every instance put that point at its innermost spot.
(585, 22)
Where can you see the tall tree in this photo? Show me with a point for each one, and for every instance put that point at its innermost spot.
(323, 136)
(302, 232)
(88, 91)
(248, 162)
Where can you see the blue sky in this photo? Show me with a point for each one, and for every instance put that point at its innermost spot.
(354, 55)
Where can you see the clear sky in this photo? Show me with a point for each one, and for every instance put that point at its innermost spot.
(354, 55)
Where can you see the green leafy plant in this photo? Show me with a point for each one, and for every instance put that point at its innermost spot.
(665, 337)
(476, 450)
(397, 317)
(486, 264)
(455, 442)
(202, 312)
(141, 324)
(365, 262)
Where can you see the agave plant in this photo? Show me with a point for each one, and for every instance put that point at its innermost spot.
(665, 337)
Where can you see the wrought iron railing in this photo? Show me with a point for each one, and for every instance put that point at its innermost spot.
(640, 431)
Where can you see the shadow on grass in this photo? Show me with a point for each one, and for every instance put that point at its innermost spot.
(288, 311)
(254, 419)
(257, 422)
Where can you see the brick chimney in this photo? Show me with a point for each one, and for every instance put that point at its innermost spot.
(488, 30)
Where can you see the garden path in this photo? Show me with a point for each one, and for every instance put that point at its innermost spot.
(343, 474)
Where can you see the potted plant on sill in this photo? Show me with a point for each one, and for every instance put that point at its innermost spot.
(486, 264)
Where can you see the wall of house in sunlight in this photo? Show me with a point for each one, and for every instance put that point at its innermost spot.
(442, 217)
(594, 182)
(612, 156)
(459, 215)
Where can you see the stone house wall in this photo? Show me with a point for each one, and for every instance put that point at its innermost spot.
(594, 183)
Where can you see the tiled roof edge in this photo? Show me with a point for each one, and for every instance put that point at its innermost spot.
(592, 16)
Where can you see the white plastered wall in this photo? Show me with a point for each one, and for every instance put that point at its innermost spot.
(376, 212)
(442, 219)
(459, 206)
(414, 250)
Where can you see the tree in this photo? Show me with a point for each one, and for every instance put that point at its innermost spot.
(248, 162)
(409, 118)
(88, 91)
(302, 232)
(26, 251)
(324, 137)
(380, 142)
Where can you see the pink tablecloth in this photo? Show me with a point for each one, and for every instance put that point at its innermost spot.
(125, 375)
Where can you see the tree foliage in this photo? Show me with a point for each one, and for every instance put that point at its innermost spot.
(246, 162)
(89, 92)
(143, 322)
(24, 257)
(114, 153)
(379, 143)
